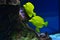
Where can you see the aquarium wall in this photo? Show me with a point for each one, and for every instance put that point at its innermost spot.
(48, 9)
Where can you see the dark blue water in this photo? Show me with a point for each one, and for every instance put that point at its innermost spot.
(48, 9)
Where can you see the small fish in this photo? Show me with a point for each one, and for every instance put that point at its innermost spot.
(38, 22)
(29, 8)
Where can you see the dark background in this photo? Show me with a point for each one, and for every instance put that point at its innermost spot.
(48, 9)
(9, 20)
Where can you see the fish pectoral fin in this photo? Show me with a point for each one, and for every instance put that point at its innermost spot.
(40, 26)
(37, 29)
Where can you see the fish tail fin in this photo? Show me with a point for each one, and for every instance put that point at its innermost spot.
(46, 23)
(34, 14)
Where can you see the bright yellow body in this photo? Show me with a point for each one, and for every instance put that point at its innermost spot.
(38, 22)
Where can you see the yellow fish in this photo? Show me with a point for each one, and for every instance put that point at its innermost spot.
(38, 22)
(29, 8)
